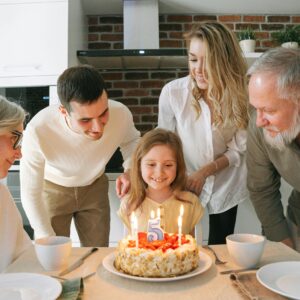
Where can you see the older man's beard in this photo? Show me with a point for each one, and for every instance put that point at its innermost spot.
(282, 139)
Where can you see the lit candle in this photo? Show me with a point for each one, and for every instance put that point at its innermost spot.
(136, 234)
(132, 219)
(134, 228)
(154, 230)
(179, 229)
(181, 211)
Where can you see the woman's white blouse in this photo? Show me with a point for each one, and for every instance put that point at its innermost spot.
(13, 239)
(203, 143)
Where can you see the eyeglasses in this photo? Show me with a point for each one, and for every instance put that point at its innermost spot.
(18, 141)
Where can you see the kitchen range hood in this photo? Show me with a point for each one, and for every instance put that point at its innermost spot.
(141, 43)
(134, 59)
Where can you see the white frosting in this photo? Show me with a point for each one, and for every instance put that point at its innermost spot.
(156, 263)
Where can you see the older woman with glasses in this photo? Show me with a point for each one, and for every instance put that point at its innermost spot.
(13, 238)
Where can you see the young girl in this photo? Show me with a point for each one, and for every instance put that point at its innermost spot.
(158, 179)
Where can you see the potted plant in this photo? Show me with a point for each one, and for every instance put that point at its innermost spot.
(247, 40)
(288, 37)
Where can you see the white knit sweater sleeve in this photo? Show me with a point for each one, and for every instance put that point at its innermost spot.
(32, 178)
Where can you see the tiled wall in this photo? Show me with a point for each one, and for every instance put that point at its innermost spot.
(140, 89)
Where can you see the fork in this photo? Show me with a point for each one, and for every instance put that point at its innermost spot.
(217, 260)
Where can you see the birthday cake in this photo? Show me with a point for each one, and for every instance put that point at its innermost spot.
(158, 258)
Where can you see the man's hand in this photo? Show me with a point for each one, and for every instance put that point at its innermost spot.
(289, 242)
(123, 184)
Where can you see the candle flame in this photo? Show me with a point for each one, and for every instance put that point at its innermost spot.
(132, 216)
(152, 214)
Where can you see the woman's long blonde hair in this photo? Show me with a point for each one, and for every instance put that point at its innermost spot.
(225, 71)
(153, 138)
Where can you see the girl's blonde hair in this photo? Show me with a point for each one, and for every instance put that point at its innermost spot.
(153, 138)
(225, 71)
(11, 115)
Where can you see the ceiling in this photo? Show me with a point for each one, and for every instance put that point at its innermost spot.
(290, 7)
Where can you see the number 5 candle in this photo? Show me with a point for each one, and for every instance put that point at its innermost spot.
(154, 230)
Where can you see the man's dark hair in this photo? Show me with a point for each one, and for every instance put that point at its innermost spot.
(82, 84)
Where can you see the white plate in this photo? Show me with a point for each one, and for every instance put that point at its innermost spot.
(28, 286)
(282, 278)
(204, 264)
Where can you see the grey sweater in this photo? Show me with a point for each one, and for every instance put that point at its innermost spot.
(266, 166)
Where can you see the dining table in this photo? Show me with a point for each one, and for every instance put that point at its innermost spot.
(105, 284)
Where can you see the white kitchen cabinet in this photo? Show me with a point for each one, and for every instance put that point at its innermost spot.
(39, 39)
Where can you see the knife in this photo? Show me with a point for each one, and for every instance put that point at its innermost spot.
(77, 262)
(238, 270)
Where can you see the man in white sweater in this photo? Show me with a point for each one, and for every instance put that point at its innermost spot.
(65, 151)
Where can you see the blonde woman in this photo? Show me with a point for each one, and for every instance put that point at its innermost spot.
(158, 177)
(13, 238)
(209, 111)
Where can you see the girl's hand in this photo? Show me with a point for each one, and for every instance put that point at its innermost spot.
(196, 181)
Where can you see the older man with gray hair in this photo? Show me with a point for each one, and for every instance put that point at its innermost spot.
(273, 147)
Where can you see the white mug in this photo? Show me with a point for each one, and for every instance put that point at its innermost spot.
(245, 249)
(53, 252)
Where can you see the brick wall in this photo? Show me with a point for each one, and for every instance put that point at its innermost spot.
(140, 89)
